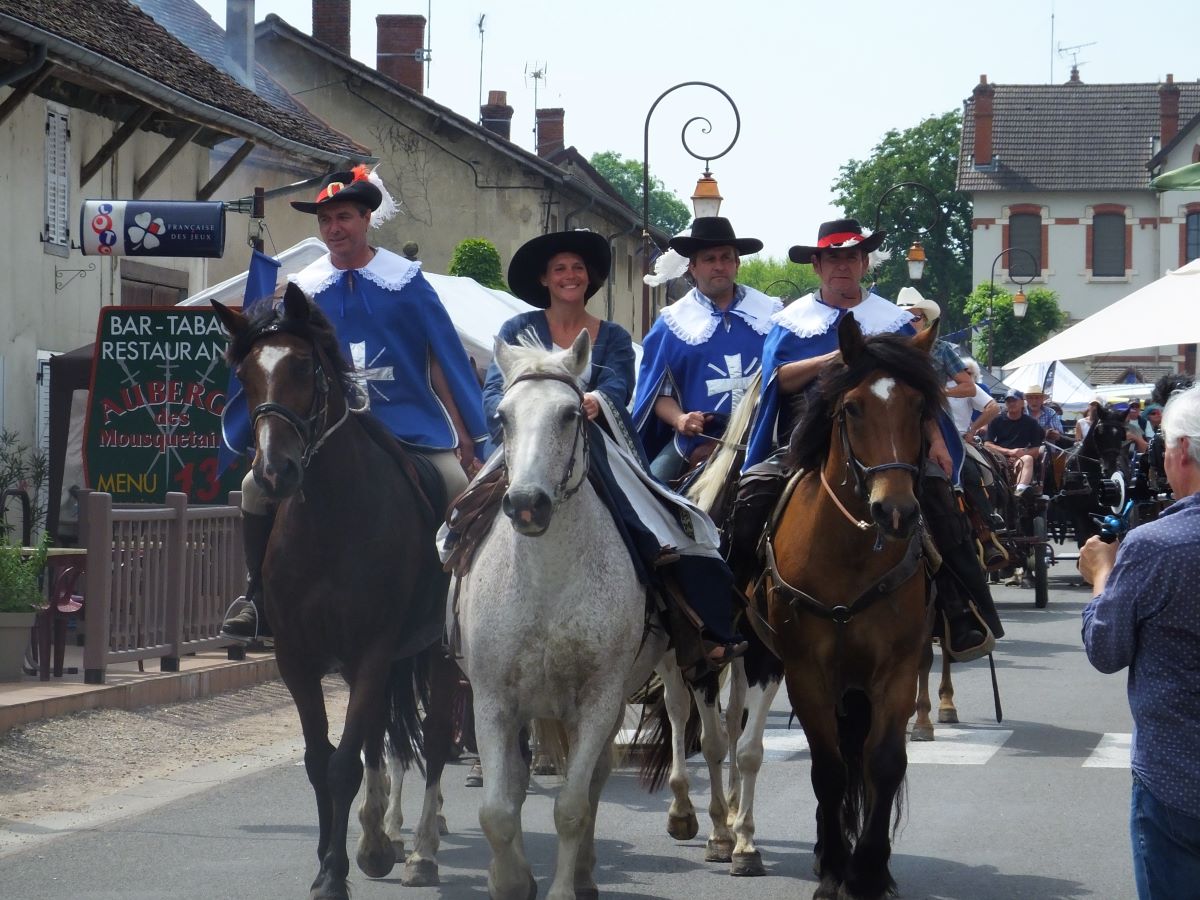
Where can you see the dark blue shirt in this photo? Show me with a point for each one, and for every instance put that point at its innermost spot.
(1148, 618)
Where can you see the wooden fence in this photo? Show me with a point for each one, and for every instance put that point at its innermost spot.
(159, 579)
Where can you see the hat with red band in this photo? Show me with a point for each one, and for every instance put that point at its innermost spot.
(840, 234)
(350, 187)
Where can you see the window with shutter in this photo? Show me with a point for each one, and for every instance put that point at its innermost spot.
(1024, 233)
(57, 232)
(1192, 247)
(1108, 245)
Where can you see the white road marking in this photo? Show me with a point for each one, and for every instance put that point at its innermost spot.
(1111, 753)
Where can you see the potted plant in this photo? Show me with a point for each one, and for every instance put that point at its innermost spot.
(20, 600)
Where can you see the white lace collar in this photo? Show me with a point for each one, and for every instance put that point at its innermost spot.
(385, 269)
(808, 317)
(693, 321)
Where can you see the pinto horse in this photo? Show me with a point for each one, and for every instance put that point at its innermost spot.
(846, 594)
(352, 583)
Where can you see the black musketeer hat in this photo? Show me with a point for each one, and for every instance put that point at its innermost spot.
(713, 231)
(352, 186)
(839, 234)
(528, 264)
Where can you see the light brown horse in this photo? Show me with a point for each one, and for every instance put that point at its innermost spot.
(846, 591)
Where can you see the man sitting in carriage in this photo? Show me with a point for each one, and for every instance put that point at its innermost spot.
(702, 351)
(803, 340)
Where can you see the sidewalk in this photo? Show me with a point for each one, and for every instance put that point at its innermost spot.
(202, 675)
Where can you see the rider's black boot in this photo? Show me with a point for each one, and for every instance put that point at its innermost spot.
(249, 622)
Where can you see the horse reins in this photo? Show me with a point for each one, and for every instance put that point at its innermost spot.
(563, 488)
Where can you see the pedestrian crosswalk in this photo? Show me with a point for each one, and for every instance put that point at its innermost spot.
(953, 745)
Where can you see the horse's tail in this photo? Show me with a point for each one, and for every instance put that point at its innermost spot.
(654, 732)
(852, 738)
(706, 490)
(551, 738)
(407, 692)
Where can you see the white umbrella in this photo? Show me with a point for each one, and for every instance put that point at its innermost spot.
(1165, 311)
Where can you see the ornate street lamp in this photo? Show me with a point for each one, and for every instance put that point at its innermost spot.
(707, 196)
(915, 257)
(1019, 301)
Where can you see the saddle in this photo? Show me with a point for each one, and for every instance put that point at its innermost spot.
(471, 518)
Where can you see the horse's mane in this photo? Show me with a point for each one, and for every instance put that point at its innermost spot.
(316, 328)
(707, 487)
(896, 356)
(1168, 385)
(530, 357)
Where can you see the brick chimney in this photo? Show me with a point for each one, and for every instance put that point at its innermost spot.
(239, 40)
(496, 115)
(549, 131)
(983, 95)
(400, 50)
(1074, 79)
(331, 24)
(1168, 109)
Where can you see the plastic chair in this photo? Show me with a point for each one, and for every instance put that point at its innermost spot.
(51, 624)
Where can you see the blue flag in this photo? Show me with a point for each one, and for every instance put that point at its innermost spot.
(235, 420)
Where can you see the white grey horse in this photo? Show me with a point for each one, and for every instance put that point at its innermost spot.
(553, 621)
(753, 682)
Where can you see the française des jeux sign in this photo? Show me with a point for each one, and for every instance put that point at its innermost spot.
(154, 413)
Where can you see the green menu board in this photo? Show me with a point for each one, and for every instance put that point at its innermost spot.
(154, 413)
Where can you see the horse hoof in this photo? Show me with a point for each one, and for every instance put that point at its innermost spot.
(921, 733)
(948, 716)
(326, 887)
(421, 873)
(588, 893)
(716, 850)
(398, 847)
(747, 865)
(443, 828)
(683, 828)
(378, 862)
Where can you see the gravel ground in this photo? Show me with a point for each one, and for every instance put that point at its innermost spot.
(67, 765)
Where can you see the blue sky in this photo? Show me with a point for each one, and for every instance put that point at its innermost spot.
(816, 84)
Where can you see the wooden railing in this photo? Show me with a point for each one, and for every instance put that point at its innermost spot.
(159, 579)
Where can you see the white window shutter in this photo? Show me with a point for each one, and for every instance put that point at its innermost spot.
(58, 177)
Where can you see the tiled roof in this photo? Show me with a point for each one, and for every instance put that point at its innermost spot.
(1117, 373)
(118, 32)
(1069, 137)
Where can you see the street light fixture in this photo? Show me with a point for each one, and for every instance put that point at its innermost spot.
(707, 196)
(1020, 301)
(916, 253)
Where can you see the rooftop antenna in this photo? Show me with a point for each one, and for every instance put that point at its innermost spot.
(1073, 52)
(538, 75)
(427, 51)
(1051, 41)
(479, 24)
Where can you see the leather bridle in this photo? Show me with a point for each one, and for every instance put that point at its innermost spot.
(564, 489)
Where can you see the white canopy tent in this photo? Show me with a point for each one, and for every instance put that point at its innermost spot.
(1165, 311)
(1066, 388)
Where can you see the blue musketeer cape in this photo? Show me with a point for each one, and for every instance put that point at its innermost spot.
(806, 329)
(390, 323)
(706, 356)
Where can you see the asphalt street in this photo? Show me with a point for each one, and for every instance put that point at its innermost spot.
(1034, 807)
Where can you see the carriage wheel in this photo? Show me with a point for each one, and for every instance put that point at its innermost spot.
(1041, 588)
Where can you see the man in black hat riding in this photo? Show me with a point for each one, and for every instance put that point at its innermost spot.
(411, 365)
(702, 351)
(803, 341)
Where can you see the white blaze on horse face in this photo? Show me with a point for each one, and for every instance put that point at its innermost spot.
(268, 358)
(883, 387)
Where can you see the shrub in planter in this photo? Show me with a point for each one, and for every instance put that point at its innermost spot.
(20, 599)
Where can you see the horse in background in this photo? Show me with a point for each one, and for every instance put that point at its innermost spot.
(847, 595)
(352, 583)
(553, 621)
(1085, 490)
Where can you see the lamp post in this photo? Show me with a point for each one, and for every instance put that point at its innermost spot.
(706, 200)
(915, 257)
(1019, 301)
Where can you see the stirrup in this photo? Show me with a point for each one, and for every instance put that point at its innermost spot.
(243, 605)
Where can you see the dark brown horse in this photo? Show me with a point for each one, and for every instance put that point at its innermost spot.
(351, 580)
(847, 595)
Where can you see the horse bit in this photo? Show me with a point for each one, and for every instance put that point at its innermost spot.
(581, 432)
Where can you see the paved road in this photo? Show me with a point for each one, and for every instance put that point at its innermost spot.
(1033, 808)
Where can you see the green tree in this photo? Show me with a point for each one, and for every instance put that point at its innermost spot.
(667, 211)
(772, 276)
(926, 153)
(478, 258)
(1010, 336)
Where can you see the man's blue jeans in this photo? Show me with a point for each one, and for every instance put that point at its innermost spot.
(1166, 848)
(668, 465)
